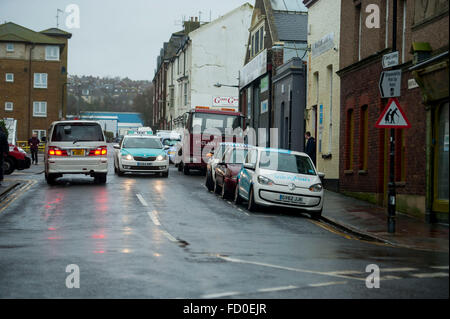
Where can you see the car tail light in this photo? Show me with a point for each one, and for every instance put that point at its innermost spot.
(101, 151)
(55, 151)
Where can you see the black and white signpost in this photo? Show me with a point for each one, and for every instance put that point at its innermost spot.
(393, 116)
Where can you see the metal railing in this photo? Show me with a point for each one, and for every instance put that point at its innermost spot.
(24, 145)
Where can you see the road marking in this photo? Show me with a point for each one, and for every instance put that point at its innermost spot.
(169, 236)
(330, 283)
(154, 218)
(219, 295)
(431, 275)
(235, 260)
(278, 289)
(397, 269)
(330, 229)
(439, 267)
(142, 200)
(9, 200)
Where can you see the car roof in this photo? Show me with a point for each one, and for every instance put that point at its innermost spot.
(281, 151)
(75, 122)
(142, 136)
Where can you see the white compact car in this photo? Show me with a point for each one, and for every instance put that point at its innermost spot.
(76, 147)
(141, 154)
(274, 177)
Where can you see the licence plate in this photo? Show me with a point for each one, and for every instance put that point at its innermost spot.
(292, 199)
(144, 164)
(78, 152)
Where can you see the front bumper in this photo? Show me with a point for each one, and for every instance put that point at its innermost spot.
(77, 166)
(276, 196)
(144, 167)
(24, 164)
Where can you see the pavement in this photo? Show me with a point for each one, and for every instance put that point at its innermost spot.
(370, 221)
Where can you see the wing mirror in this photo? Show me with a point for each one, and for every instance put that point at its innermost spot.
(250, 166)
(166, 147)
(116, 146)
(321, 175)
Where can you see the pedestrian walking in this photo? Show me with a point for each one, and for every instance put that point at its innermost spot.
(33, 142)
(310, 147)
(4, 149)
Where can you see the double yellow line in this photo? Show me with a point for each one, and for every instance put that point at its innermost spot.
(10, 199)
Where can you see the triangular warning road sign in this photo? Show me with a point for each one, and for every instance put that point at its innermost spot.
(393, 116)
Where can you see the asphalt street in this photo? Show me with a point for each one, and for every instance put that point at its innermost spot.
(143, 236)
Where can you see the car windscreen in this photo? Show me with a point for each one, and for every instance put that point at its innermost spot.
(285, 162)
(170, 142)
(223, 122)
(77, 132)
(139, 142)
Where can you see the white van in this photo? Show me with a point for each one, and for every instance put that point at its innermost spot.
(76, 147)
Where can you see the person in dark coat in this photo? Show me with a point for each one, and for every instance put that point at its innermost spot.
(33, 142)
(4, 150)
(310, 147)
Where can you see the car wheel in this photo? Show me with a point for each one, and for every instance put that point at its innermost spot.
(50, 178)
(216, 188)
(316, 215)
(251, 201)
(209, 184)
(8, 166)
(237, 197)
(165, 174)
(100, 178)
(186, 170)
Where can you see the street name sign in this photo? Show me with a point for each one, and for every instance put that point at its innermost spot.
(393, 116)
(390, 83)
(390, 60)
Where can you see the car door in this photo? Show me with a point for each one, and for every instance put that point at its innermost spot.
(221, 167)
(246, 176)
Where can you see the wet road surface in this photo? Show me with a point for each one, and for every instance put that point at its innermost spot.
(153, 237)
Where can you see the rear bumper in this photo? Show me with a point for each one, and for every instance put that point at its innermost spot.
(80, 166)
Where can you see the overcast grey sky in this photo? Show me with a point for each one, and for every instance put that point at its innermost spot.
(116, 37)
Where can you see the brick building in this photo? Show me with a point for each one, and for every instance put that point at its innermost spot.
(364, 151)
(33, 77)
(278, 33)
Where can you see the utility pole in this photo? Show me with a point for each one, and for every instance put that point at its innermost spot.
(391, 185)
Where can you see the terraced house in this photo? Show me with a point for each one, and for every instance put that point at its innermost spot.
(33, 77)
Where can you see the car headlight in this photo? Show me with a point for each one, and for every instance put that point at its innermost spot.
(264, 180)
(21, 150)
(128, 157)
(316, 188)
(160, 158)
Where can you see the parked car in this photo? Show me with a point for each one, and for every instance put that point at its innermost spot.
(17, 158)
(274, 177)
(227, 170)
(214, 157)
(141, 154)
(76, 147)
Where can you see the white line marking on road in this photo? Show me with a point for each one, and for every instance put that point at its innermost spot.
(277, 289)
(431, 275)
(154, 218)
(439, 267)
(397, 269)
(219, 295)
(389, 277)
(288, 268)
(169, 236)
(142, 200)
(330, 283)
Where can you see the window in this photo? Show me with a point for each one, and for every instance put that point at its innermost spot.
(185, 94)
(359, 18)
(285, 162)
(9, 47)
(83, 132)
(172, 96)
(330, 124)
(40, 134)
(349, 141)
(40, 109)
(9, 77)
(257, 41)
(9, 106)
(40, 80)
(52, 52)
(364, 138)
